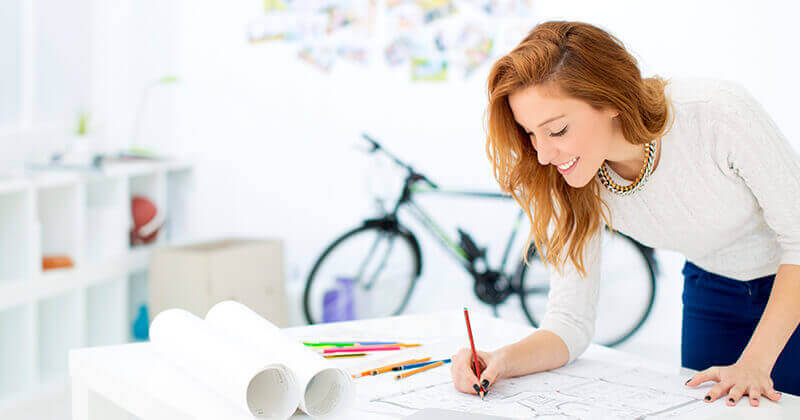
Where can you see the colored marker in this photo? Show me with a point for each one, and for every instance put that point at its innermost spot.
(416, 365)
(391, 367)
(337, 356)
(360, 349)
(418, 370)
(477, 366)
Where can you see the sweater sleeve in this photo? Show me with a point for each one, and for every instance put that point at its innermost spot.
(751, 146)
(572, 300)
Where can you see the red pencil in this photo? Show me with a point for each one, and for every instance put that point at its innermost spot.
(474, 354)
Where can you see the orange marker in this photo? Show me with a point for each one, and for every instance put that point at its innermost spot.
(375, 371)
(389, 368)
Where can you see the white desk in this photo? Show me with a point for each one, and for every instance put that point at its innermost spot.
(118, 382)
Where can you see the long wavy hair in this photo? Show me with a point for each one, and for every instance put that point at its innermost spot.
(587, 63)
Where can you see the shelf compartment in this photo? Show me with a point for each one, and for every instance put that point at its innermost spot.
(108, 218)
(179, 192)
(61, 328)
(17, 354)
(138, 296)
(60, 220)
(16, 236)
(107, 313)
(153, 187)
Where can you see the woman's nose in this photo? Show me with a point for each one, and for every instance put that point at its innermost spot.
(545, 153)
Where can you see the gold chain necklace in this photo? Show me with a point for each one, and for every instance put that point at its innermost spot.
(647, 169)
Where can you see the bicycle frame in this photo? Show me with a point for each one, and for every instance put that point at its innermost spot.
(411, 186)
(444, 239)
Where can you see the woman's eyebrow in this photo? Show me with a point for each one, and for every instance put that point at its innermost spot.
(550, 119)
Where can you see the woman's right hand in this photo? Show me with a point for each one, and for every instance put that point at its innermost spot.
(462, 369)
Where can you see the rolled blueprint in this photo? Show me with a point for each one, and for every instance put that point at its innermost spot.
(325, 390)
(265, 388)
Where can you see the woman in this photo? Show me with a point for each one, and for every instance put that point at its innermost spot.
(581, 141)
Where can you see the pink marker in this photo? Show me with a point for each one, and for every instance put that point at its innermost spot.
(360, 349)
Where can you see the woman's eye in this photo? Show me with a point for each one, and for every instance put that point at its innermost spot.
(560, 133)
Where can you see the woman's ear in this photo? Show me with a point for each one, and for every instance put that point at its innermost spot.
(610, 112)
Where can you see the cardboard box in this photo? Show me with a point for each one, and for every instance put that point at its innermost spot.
(196, 277)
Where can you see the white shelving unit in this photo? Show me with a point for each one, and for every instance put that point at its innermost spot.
(44, 314)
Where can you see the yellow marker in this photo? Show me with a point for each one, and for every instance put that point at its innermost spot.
(339, 356)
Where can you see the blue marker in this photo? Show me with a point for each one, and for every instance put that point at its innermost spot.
(416, 365)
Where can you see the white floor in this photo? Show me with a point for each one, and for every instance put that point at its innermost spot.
(658, 339)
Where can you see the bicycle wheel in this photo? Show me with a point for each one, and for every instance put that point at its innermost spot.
(627, 289)
(383, 260)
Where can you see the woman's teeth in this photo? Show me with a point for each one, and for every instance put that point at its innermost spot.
(567, 165)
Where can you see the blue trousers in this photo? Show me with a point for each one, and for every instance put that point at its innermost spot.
(719, 317)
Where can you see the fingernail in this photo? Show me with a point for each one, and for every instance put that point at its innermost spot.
(477, 388)
(730, 400)
(687, 381)
(485, 384)
(708, 398)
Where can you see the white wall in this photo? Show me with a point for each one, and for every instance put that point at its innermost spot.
(58, 59)
(272, 136)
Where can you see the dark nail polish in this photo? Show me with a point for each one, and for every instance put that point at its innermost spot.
(708, 397)
(485, 384)
(730, 399)
(687, 381)
(476, 388)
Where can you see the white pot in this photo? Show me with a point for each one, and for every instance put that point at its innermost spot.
(78, 150)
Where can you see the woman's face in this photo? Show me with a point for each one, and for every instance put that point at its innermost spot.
(565, 132)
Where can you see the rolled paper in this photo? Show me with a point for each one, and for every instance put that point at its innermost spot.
(325, 389)
(262, 386)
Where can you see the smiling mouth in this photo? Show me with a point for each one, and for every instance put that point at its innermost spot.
(568, 165)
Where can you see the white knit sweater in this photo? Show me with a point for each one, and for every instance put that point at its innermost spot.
(725, 193)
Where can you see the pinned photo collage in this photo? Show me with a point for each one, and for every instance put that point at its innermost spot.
(433, 39)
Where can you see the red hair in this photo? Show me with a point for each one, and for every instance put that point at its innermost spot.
(583, 62)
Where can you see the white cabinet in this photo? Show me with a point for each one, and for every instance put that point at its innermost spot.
(44, 314)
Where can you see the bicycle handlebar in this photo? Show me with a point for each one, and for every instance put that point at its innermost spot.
(413, 174)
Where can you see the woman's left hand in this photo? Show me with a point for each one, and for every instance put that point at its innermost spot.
(736, 380)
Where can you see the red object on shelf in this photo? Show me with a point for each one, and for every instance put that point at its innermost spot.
(147, 221)
(50, 262)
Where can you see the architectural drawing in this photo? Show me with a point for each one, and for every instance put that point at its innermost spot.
(584, 389)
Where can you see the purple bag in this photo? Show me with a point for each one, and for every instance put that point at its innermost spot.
(337, 303)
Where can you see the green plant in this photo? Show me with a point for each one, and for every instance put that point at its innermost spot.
(83, 124)
(168, 79)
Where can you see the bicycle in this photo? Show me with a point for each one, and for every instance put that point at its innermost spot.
(384, 258)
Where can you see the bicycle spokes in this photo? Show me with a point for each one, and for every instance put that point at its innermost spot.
(383, 260)
(382, 264)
